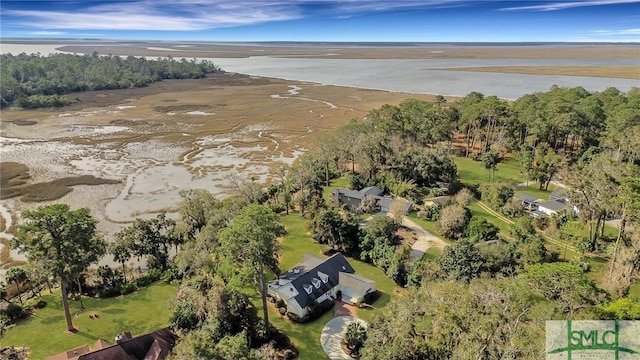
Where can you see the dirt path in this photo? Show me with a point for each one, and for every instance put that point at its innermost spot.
(425, 240)
(562, 244)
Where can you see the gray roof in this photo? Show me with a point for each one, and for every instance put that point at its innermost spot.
(384, 202)
(312, 279)
(307, 264)
(559, 193)
(526, 198)
(355, 282)
(552, 205)
(349, 193)
(372, 190)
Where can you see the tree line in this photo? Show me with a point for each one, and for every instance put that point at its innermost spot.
(31, 81)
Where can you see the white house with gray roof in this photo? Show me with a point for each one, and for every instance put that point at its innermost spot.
(551, 207)
(315, 280)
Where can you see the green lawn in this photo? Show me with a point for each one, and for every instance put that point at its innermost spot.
(477, 210)
(534, 190)
(579, 228)
(341, 182)
(295, 244)
(432, 254)
(634, 292)
(473, 172)
(44, 332)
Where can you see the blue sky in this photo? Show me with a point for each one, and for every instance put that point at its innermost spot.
(326, 20)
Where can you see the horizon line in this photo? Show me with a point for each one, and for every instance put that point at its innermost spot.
(527, 42)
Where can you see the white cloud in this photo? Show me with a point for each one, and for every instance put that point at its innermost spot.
(159, 15)
(617, 32)
(552, 6)
(45, 33)
(201, 14)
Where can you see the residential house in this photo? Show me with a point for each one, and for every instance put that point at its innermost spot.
(315, 280)
(352, 199)
(152, 346)
(551, 207)
(529, 202)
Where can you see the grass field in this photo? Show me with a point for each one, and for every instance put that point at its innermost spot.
(341, 182)
(634, 292)
(477, 210)
(44, 332)
(293, 247)
(534, 190)
(473, 172)
(432, 254)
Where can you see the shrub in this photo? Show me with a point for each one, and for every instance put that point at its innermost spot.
(326, 250)
(289, 354)
(127, 288)
(371, 297)
(4, 318)
(149, 278)
(496, 195)
(542, 222)
(35, 304)
(431, 213)
(453, 220)
(172, 273)
(282, 310)
(474, 156)
(109, 292)
(277, 208)
(355, 337)
(15, 312)
(280, 303)
(295, 318)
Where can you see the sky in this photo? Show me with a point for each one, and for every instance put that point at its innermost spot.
(326, 20)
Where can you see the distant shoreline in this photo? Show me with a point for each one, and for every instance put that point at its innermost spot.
(325, 43)
(430, 68)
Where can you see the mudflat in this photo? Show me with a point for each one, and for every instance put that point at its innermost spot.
(362, 51)
(148, 143)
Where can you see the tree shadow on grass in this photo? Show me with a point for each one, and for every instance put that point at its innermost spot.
(113, 311)
(52, 319)
(86, 335)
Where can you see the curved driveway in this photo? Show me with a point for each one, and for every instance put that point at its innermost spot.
(332, 335)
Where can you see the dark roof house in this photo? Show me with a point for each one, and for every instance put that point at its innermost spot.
(315, 280)
(152, 346)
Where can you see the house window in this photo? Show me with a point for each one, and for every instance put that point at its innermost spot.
(316, 283)
(324, 277)
(308, 288)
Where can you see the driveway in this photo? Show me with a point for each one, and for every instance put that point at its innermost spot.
(425, 240)
(332, 335)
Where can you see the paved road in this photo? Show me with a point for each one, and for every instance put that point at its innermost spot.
(332, 335)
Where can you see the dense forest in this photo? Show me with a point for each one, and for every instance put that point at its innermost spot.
(32, 81)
